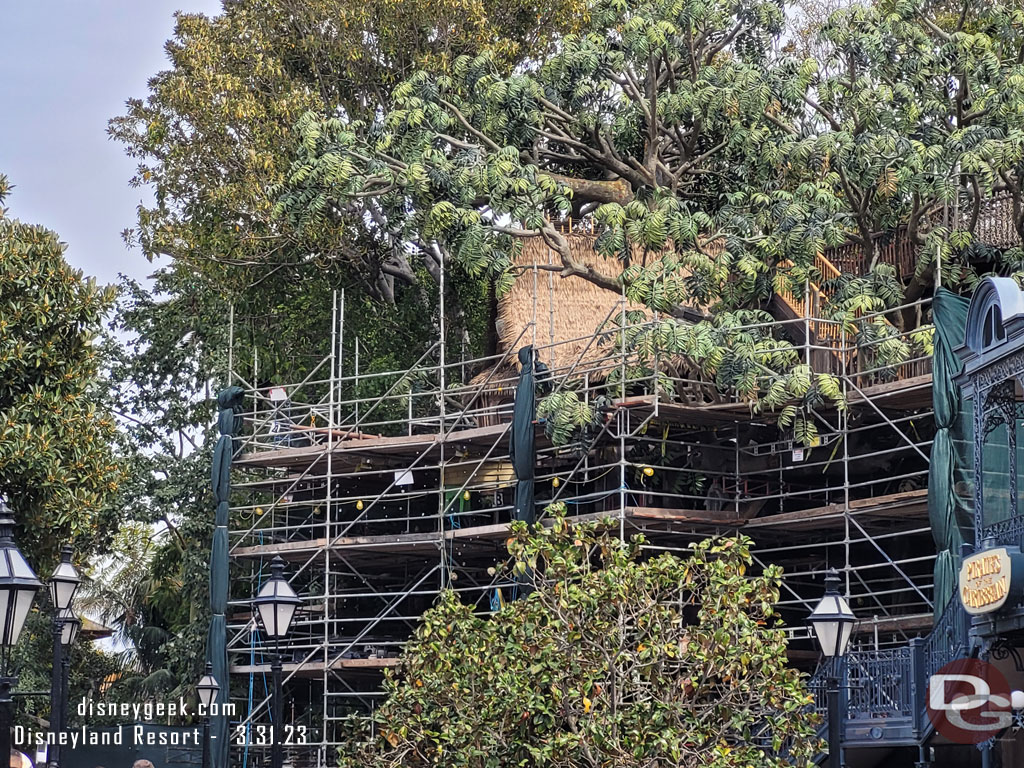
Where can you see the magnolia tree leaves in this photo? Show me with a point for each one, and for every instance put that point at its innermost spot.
(610, 660)
(57, 470)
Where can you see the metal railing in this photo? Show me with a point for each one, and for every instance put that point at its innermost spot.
(880, 684)
(317, 511)
(885, 691)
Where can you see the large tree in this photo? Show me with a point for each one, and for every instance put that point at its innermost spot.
(715, 164)
(920, 106)
(216, 133)
(57, 469)
(610, 660)
(675, 127)
(213, 139)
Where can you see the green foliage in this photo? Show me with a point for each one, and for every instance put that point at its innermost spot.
(33, 661)
(901, 146)
(152, 591)
(213, 137)
(714, 166)
(564, 415)
(851, 296)
(57, 470)
(609, 661)
(216, 133)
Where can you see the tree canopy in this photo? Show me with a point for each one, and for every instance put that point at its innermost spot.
(715, 164)
(213, 139)
(610, 660)
(57, 468)
(682, 124)
(216, 133)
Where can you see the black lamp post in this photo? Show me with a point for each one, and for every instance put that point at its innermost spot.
(70, 624)
(63, 586)
(208, 688)
(275, 605)
(833, 623)
(18, 587)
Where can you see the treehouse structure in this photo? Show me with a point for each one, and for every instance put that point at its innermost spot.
(382, 489)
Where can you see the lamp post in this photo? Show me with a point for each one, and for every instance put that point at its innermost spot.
(70, 624)
(208, 688)
(18, 587)
(63, 585)
(275, 605)
(833, 623)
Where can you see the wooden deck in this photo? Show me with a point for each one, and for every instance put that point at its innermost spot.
(907, 505)
(900, 395)
(491, 536)
(316, 668)
(389, 450)
(350, 450)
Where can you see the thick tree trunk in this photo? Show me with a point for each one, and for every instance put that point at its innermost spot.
(589, 190)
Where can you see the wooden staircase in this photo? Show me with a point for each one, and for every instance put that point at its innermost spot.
(825, 341)
(823, 338)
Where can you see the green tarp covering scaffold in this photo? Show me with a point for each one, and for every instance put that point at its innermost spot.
(950, 476)
(949, 511)
(228, 422)
(522, 446)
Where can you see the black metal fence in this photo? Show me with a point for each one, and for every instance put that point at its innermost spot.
(884, 692)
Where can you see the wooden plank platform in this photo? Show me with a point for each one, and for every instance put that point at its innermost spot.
(396, 451)
(390, 450)
(696, 516)
(906, 505)
(900, 395)
(911, 505)
(406, 543)
(707, 415)
(413, 543)
(917, 622)
(316, 668)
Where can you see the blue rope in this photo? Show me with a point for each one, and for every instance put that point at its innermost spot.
(598, 498)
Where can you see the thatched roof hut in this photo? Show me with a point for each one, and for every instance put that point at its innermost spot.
(560, 315)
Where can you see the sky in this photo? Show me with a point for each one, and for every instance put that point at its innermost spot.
(68, 66)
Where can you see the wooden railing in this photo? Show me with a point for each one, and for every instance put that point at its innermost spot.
(894, 249)
(811, 305)
(994, 227)
(829, 349)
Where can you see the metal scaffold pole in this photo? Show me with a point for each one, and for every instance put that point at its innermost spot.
(332, 426)
(366, 511)
(445, 569)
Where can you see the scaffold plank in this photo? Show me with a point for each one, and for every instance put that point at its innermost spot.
(316, 668)
(408, 543)
(904, 505)
(397, 447)
(898, 395)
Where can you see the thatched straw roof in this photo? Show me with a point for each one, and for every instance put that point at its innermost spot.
(995, 222)
(559, 315)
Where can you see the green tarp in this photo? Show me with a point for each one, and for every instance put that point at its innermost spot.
(949, 511)
(522, 447)
(228, 422)
(951, 470)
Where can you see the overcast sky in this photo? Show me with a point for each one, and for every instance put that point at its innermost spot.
(66, 67)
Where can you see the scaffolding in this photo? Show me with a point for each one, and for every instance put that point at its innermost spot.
(382, 489)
